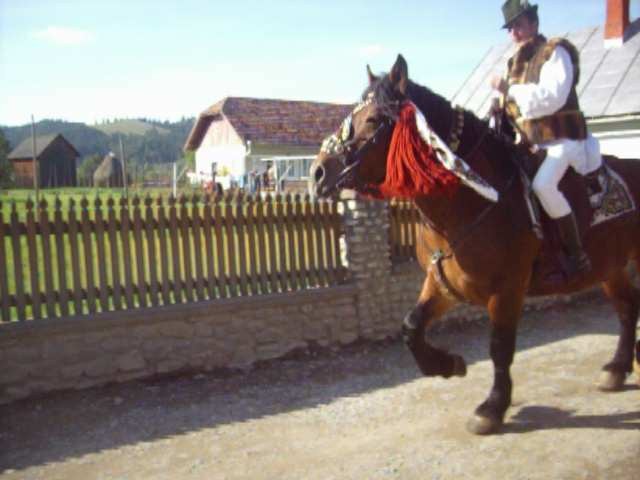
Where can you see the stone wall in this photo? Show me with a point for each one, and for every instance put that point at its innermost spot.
(118, 346)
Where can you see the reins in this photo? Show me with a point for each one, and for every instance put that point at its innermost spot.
(478, 220)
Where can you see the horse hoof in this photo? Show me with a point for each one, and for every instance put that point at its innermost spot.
(479, 425)
(611, 381)
(459, 366)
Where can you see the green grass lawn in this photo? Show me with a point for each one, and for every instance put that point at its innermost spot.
(19, 197)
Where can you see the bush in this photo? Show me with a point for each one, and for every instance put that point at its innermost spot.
(6, 169)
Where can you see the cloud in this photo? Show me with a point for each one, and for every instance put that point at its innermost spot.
(64, 35)
(371, 50)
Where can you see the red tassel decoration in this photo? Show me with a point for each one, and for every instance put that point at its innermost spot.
(412, 167)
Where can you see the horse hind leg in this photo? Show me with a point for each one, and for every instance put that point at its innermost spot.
(636, 363)
(430, 360)
(626, 301)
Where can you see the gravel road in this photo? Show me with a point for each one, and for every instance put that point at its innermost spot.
(361, 413)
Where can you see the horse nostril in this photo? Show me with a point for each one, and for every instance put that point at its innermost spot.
(319, 174)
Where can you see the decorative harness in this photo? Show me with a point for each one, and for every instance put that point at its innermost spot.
(344, 146)
(438, 256)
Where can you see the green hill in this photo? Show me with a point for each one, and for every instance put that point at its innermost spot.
(85, 139)
(129, 127)
(145, 141)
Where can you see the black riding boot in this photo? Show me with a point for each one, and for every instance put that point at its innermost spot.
(579, 263)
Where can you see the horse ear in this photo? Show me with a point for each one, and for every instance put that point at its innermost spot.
(372, 77)
(399, 74)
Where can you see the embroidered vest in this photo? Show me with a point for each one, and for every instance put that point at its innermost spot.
(525, 67)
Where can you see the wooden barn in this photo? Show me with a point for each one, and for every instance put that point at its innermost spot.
(238, 139)
(609, 86)
(56, 159)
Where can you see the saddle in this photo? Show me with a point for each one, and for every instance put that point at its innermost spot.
(594, 198)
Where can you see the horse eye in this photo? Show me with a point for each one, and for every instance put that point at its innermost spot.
(373, 120)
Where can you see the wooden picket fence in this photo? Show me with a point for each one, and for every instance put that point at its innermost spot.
(102, 256)
(404, 218)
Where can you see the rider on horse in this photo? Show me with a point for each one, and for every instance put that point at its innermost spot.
(539, 96)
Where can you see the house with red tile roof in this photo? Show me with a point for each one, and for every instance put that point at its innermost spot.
(239, 137)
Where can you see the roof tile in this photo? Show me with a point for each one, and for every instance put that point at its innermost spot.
(273, 122)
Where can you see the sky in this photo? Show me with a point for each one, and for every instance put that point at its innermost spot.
(93, 60)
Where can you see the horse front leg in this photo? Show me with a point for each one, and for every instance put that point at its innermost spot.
(504, 313)
(430, 360)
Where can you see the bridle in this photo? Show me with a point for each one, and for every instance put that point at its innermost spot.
(352, 157)
(343, 146)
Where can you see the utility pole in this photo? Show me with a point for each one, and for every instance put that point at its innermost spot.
(36, 186)
(175, 180)
(124, 169)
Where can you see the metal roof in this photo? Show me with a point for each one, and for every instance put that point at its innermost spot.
(25, 149)
(609, 78)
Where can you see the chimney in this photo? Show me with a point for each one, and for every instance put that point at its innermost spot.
(617, 23)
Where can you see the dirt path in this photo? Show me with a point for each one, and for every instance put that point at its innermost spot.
(363, 413)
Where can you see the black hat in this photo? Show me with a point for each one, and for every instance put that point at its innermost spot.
(512, 9)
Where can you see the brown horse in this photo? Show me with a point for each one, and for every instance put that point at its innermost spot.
(475, 250)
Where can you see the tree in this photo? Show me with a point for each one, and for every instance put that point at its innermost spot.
(6, 169)
(161, 144)
(189, 160)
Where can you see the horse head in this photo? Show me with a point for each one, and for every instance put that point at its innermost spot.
(384, 148)
(355, 156)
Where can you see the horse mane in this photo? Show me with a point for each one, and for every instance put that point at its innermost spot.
(440, 114)
(437, 109)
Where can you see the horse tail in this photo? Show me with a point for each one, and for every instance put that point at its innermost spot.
(636, 362)
(629, 170)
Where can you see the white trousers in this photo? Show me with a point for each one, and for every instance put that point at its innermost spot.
(583, 155)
